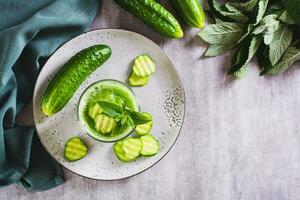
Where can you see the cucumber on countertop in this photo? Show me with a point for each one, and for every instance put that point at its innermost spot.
(72, 74)
(191, 12)
(155, 15)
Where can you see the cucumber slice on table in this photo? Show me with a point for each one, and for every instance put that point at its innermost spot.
(143, 129)
(150, 145)
(75, 149)
(119, 152)
(95, 110)
(135, 80)
(144, 66)
(104, 123)
(132, 147)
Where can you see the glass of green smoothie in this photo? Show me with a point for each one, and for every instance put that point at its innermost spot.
(95, 121)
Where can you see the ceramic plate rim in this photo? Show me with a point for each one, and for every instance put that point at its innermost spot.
(175, 70)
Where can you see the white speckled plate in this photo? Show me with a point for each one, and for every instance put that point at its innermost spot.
(163, 96)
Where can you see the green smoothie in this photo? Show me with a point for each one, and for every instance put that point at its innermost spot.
(90, 113)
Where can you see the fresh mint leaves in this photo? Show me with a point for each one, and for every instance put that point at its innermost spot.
(140, 117)
(293, 7)
(285, 17)
(111, 109)
(245, 5)
(244, 54)
(222, 33)
(123, 125)
(217, 49)
(124, 114)
(290, 56)
(260, 10)
(247, 25)
(281, 41)
(269, 24)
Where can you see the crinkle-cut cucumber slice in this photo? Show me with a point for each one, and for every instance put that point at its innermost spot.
(132, 147)
(104, 124)
(119, 152)
(95, 110)
(150, 145)
(135, 80)
(144, 66)
(75, 149)
(144, 129)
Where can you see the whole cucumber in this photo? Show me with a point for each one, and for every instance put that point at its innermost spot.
(155, 15)
(191, 12)
(72, 74)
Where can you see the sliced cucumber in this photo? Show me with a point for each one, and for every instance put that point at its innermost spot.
(75, 149)
(95, 110)
(119, 152)
(144, 66)
(150, 145)
(135, 80)
(144, 129)
(104, 124)
(132, 147)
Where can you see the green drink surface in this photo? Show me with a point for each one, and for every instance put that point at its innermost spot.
(106, 90)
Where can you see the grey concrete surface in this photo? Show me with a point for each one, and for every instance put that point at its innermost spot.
(240, 140)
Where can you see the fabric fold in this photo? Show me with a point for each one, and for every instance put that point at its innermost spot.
(29, 32)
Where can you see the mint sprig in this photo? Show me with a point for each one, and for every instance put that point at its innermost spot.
(124, 114)
(249, 25)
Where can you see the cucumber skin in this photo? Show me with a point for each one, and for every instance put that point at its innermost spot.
(65, 83)
(191, 12)
(155, 15)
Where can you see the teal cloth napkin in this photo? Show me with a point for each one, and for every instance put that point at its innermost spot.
(29, 32)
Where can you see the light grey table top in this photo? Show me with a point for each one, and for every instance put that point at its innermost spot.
(240, 140)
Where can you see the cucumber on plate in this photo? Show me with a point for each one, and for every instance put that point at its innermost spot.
(144, 66)
(150, 145)
(119, 152)
(75, 149)
(72, 74)
(132, 147)
(135, 80)
(143, 129)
